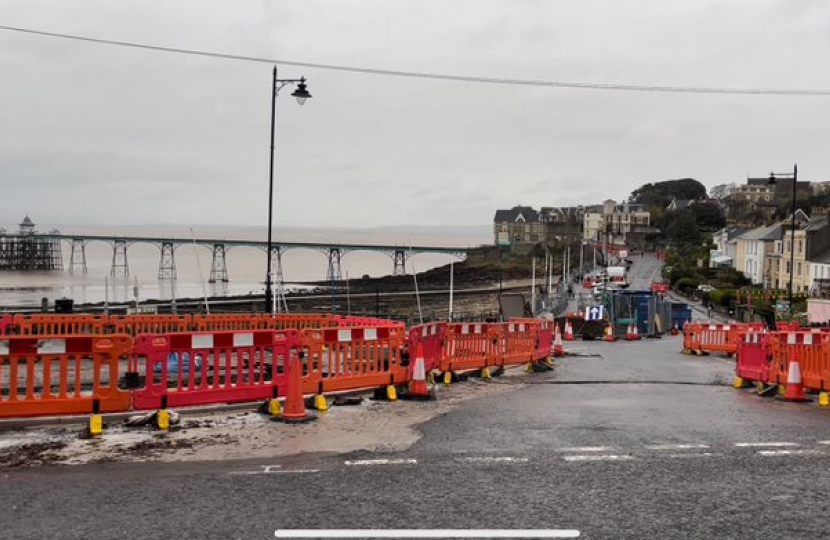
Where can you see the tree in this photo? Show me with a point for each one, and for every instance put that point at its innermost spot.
(681, 227)
(658, 195)
(709, 215)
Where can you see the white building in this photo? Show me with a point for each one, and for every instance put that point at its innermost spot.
(725, 245)
(617, 219)
(752, 249)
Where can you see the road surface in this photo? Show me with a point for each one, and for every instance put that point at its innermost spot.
(637, 442)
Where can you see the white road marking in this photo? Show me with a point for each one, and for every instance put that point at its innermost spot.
(694, 455)
(771, 444)
(426, 533)
(599, 457)
(824, 442)
(493, 459)
(274, 469)
(382, 462)
(676, 446)
(791, 452)
(587, 449)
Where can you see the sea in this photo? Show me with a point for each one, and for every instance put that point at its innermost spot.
(246, 265)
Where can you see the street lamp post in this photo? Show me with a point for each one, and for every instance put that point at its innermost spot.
(772, 180)
(301, 93)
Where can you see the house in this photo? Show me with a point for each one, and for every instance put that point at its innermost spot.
(617, 220)
(724, 252)
(520, 224)
(752, 248)
(811, 239)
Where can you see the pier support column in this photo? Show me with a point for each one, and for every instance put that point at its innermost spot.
(400, 263)
(219, 266)
(167, 263)
(334, 273)
(77, 258)
(120, 267)
(280, 304)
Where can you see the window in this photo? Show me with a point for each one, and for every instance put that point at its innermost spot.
(798, 268)
(799, 247)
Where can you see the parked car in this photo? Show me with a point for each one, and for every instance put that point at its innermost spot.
(705, 288)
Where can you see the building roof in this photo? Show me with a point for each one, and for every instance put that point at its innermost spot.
(517, 213)
(680, 204)
(27, 222)
(821, 258)
(769, 233)
(817, 223)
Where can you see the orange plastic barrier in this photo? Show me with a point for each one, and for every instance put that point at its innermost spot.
(340, 359)
(518, 342)
(544, 343)
(704, 338)
(41, 324)
(350, 321)
(299, 321)
(431, 338)
(184, 369)
(753, 357)
(149, 324)
(811, 349)
(468, 347)
(53, 375)
(229, 322)
(6, 321)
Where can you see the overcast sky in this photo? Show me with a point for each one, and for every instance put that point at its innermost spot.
(106, 135)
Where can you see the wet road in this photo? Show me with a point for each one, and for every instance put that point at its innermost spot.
(640, 441)
(635, 442)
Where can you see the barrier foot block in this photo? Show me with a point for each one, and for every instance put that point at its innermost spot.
(739, 383)
(163, 420)
(485, 374)
(529, 367)
(447, 378)
(95, 427)
(431, 377)
(274, 407)
(391, 393)
(541, 367)
(320, 403)
(498, 372)
(824, 399)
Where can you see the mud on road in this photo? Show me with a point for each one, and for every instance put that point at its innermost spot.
(371, 425)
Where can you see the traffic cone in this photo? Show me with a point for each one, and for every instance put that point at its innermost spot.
(628, 335)
(558, 348)
(294, 411)
(794, 390)
(418, 387)
(635, 333)
(569, 333)
(675, 331)
(609, 333)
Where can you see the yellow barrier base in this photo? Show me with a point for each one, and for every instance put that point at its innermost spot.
(320, 403)
(824, 399)
(391, 393)
(163, 420)
(448, 378)
(739, 383)
(274, 407)
(96, 425)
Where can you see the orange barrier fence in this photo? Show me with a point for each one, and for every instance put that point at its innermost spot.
(704, 338)
(149, 324)
(228, 323)
(468, 347)
(544, 344)
(184, 369)
(6, 321)
(299, 321)
(811, 349)
(339, 359)
(516, 342)
(58, 325)
(753, 357)
(53, 375)
(430, 339)
(366, 321)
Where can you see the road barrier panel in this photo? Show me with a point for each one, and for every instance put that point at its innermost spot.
(186, 369)
(468, 347)
(41, 324)
(810, 349)
(347, 359)
(753, 358)
(56, 375)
